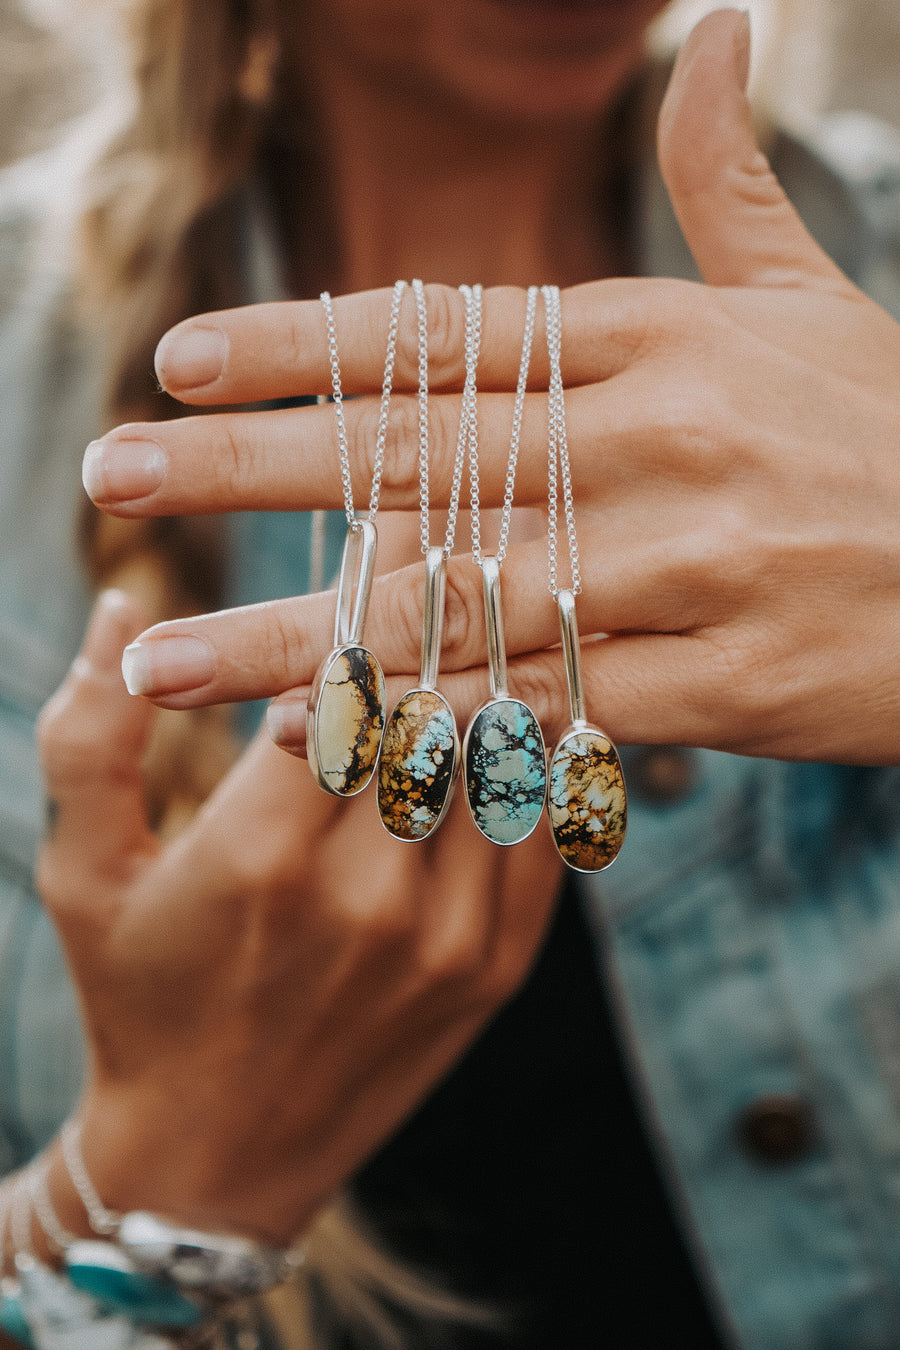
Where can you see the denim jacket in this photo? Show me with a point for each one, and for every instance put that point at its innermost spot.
(750, 929)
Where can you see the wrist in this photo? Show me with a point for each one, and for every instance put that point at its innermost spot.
(139, 1161)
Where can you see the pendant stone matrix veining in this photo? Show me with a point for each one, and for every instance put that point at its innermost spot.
(345, 717)
(586, 803)
(420, 752)
(505, 759)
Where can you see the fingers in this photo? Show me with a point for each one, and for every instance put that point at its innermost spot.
(652, 581)
(91, 737)
(741, 228)
(288, 459)
(281, 350)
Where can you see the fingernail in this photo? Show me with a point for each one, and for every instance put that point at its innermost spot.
(286, 723)
(189, 358)
(167, 665)
(122, 471)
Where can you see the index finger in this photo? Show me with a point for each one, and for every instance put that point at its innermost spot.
(280, 350)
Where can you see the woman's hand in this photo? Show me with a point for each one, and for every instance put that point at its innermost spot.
(735, 461)
(267, 997)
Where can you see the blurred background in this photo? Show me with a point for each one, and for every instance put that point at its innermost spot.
(811, 56)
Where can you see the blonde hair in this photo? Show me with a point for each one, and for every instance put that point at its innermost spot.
(158, 245)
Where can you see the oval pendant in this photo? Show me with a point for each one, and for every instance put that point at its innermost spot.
(506, 770)
(345, 712)
(345, 720)
(505, 759)
(586, 801)
(418, 765)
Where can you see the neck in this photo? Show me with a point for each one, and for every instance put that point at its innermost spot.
(421, 189)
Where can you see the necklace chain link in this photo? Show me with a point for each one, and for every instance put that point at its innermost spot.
(514, 440)
(338, 403)
(558, 465)
(468, 415)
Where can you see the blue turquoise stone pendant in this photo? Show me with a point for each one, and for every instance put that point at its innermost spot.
(503, 753)
(587, 802)
(420, 751)
(345, 714)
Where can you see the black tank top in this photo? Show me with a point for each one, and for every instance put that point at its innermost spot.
(526, 1180)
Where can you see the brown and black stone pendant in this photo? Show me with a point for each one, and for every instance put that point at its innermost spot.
(586, 799)
(420, 751)
(345, 714)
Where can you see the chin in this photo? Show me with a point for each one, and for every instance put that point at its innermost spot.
(548, 90)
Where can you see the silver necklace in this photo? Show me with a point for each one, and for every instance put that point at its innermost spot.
(503, 752)
(419, 760)
(345, 714)
(586, 801)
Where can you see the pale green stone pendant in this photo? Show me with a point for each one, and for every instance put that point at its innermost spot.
(345, 714)
(586, 802)
(504, 756)
(419, 759)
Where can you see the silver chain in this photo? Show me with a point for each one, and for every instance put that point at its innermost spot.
(558, 451)
(422, 326)
(467, 416)
(20, 1217)
(514, 438)
(338, 401)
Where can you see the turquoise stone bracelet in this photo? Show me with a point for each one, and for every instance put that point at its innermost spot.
(107, 1275)
(12, 1318)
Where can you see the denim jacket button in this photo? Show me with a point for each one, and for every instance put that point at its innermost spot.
(662, 774)
(776, 1128)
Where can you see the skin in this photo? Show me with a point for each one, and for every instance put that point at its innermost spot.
(284, 938)
(713, 429)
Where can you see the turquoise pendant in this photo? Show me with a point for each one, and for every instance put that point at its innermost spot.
(503, 753)
(587, 802)
(345, 714)
(420, 751)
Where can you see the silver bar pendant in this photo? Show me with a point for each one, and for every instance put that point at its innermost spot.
(345, 713)
(503, 752)
(587, 801)
(419, 759)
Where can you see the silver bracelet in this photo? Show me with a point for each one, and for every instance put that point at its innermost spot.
(20, 1219)
(102, 1220)
(58, 1236)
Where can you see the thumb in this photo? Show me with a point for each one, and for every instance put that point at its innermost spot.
(738, 223)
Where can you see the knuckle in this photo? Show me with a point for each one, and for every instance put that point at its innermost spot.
(694, 418)
(463, 637)
(401, 450)
(446, 339)
(295, 339)
(386, 925)
(446, 335)
(284, 649)
(503, 976)
(70, 746)
(536, 679)
(235, 464)
(742, 671)
(443, 437)
(456, 961)
(406, 615)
